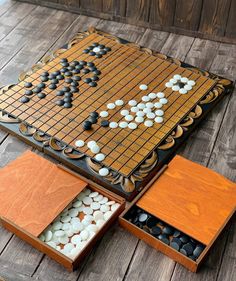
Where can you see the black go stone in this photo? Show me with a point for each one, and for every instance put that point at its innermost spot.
(188, 248)
(66, 89)
(192, 258)
(67, 100)
(68, 80)
(41, 95)
(92, 53)
(174, 245)
(181, 85)
(28, 92)
(60, 77)
(103, 52)
(168, 230)
(98, 56)
(93, 120)
(24, 100)
(74, 90)
(74, 84)
(101, 46)
(95, 78)
(28, 85)
(82, 62)
(164, 238)
(184, 239)
(104, 123)
(92, 84)
(155, 230)
(45, 73)
(36, 90)
(64, 60)
(68, 95)
(177, 233)
(87, 125)
(59, 102)
(64, 70)
(67, 105)
(90, 64)
(85, 70)
(74, 63)
(54, 81)
(177, 240)
(152, 221)
(44, 78)
(182, 251)
(55, 73)
(76, 71)
(94, 114)
(41, 85)
(90, 47)
(52, 76)
(87, 80)
(65, 64)
(93, 68)
(86, 51)
(107, 49)
(60, 93)
(70, 67)
(139, 224)
(97, 72)
(76, 78)
(197, 251)
(52, 86)
(68, 73)
(79, 67)
(95, 44)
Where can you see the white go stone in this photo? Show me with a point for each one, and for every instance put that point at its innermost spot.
(87, 191)
(147, 110)
(148, 123)
(59, 233)
(107, 215)
(177, 77)
(191, 82)
(104, 208)
(175, 88)
(159, 112)
(90, 144)
(92, 228)
(132, 125)
(151, 115)
(184, 79)
(158, 119)
(79, 143)
(74, 220)
(183, 91)
(76, 239)
(104, 200)
(123, 125)
(173, 81)
(158, 105)
(139, 119)
(87, 200)
(168, 85)
(103, 172)
(129, 117)
(84, 234)
(93, 194)
(85, 222)
(68, 247)
(73, 212)
(188, 87)
(141, 105)
(64, 239)
(98, 198)
(119, 102)
(152, 96)
(56, 225)
(124, 112)
(104, 113)
(149, 105)
(96, 49)
(160, 95)
(132, 102)
(66, 226)
(145, 98)
(95, 206)
(114, 207)
(98, 215)
(77, 204)
(143, 87)
(134, 109)
(95, 149)
(163, 101)
(52, 244)
(111, 105)
(100, 157)
(100, 223)
(113, 125)
(48, 235)
(140, 113)
(109, 203)
(88, 211)
(88, 218)
(65, 219)
(77, 227)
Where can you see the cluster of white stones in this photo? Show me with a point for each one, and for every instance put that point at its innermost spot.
(180, 84)
(71, 232)
(94, 148)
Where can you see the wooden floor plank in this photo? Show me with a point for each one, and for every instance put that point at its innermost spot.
(6, 5)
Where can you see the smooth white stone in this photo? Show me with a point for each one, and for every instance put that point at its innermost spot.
(95, 206)
(177, 77)
(68, 247)
(85, 222)
(56, 225)
(183, 91)
(149, 105)
(152, 96)
(66, 226)
(191, 82)
(73, 212)
(55, 239)
(88, 211)
(113, 125)
(76, 239)
(109, 203)
(52, 244)
(92, 228)
(79, 143)
(98, 198)
(59, 233)
(163, 101)
(77, 204)
(64, 239)
(74, 253)
(88, 218)
(81, 245)
(80, 209)
(114, 207)
(175, 88)
(134, 109)
(107, 215)
(159, 112)
(96, 49)
(103, 172)
(160, 95)
(119, 102)
(158, 119)
(158, 105)
(111, 105)
(87, 191)
(132, 126)
(151, 115)
(143, 87)
(141, 105)
(89, 145)
(140, 114)
(95, 149)
(188, 87)
(104, 208)
(42, 237)
(147, 110)
(91, 234)
(100, 223)
(148, 123)
(145, 98)
(98, 215)
(82, 194)
(132, 102)
(129, 117)
(93, 194)
(139, 119)
(75, 220)
(65, 219)
(184, 79)
(173, 81)
(70, 232)
(87, 200)
(124, 112)
(84, 234)
(104, 200)
(123, 125)
(168, 85)
(48, 235)
(77, 227)
(100, 157)
(104, 113)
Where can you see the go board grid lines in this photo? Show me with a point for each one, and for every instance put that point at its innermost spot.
(124, 149)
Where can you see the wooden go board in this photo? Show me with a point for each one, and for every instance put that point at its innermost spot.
(131, 155)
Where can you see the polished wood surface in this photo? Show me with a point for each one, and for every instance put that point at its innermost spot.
(191, 198)
(34, 191)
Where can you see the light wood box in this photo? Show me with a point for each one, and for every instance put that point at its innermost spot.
(34, 191)
(190, 198)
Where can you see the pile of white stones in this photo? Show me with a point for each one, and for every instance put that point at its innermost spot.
(71, 232)
(173, 83)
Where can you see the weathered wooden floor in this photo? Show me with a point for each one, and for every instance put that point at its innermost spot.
(27, 32)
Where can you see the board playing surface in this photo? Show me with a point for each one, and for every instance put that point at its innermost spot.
(123, 69)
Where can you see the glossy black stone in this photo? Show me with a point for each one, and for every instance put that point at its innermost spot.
(68, 73)
(44, 78)
(90, 64)
(93, 120)
(76, 78)
(28, 85)
(41, 95)
(98, 56)
(188, 248)
(45, 73)
(67, 100)
(86, 51)
(182, 251)
(93, 68)
(180, 84)
(87, 80)
(164, 238)
(90, 47)
(24, 100)
(177, 240)
(64, 60)
(92, 84)
(74, 63)
(176, 233)
(92, 53)
(66, 89)
(74, 90)
(156, 230)
(101, 46)
(36, 90)
(174, 245)
(68, 94)
(95, 44)
(103, 52)
(87, 125)
(197, 251)
(168, 230)
(55, 73)
(74, 84)
(94, 114)
(85, 70)
(107, 49)
(76, 71)
(184, 239)
(60, 93)
(67, 105)
(104, 123)
(52, 86)
(152, 221)
(68, 80)
(60, 77)
(70, 68)
(79, 67)
(65, 64)
(54, 81)
(97, 72)
(64, 70)
(82, 62)
(60, 102)
(28, 92)
(52, 76)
